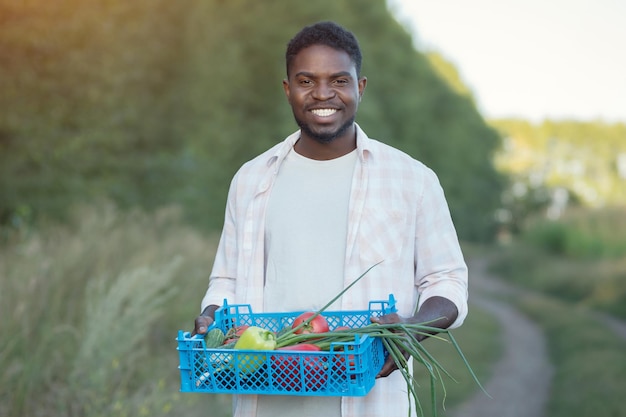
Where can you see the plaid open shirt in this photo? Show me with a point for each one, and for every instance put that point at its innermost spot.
(397, 214)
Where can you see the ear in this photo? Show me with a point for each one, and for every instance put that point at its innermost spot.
(362, 83)
(286, 87)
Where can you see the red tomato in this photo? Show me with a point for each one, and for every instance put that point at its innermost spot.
(287, 368)
(241, 329)
(317, 325)
(341, 328)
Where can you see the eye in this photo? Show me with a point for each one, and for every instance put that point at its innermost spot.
(341, 81)
(305, 82)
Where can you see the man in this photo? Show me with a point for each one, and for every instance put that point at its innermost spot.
(310, 215)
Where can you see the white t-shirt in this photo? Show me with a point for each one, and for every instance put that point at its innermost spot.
(305, 241)
(305, 235)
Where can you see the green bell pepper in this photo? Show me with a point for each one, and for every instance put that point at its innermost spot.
(254, 338)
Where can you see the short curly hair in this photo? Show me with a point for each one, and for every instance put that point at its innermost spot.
(325, 33)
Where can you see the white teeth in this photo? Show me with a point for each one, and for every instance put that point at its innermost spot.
(324, 112)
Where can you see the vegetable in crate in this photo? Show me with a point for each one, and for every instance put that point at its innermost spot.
(287, 368)
(254, 338)
(234, 333)
(214, 338)
(310, 322)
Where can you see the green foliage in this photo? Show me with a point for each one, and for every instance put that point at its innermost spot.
(86, 103)
(588, 359)
(112, 345)
(582, 233)
(94, 307)
(153, 102)
(579, 259)
(586, 158)
(479, 339)
(565, 292)
(534, 268)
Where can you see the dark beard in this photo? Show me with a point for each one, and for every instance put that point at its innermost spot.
(325, 138)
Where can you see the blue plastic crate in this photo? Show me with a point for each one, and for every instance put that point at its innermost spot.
(348, 369)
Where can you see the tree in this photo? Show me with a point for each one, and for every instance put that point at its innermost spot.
(155, 102)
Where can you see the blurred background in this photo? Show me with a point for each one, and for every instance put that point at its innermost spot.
(122, 123)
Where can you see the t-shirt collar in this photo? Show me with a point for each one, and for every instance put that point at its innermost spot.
(363, 146)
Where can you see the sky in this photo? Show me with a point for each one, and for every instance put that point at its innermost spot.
(532, 59)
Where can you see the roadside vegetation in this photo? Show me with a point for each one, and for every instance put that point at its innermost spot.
(575, 267)
(587, 356)
(580, 259)
(479, 338)
(90, 312)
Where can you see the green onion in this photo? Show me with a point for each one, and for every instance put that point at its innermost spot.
(397, 338)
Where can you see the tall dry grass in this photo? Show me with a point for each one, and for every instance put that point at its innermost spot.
(89, 313)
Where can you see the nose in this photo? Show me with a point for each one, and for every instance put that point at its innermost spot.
(323, 91)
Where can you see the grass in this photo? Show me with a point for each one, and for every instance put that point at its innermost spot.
(90, 312)
(575, 267)
(588, 359)
(479, 339)
(581, 233)
(580, 258)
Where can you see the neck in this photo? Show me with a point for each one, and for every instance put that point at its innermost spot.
(314, 149)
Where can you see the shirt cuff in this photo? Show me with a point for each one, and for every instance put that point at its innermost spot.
(219, 290)
(452, 291)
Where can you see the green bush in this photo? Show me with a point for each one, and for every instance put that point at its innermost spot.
(579, 258)
(582, 234)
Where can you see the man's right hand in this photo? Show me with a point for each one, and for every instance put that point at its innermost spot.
(201, 325)
(204, 320)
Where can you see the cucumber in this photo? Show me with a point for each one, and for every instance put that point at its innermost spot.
(214, 338)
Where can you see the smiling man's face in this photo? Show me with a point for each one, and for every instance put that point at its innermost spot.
(324, 91)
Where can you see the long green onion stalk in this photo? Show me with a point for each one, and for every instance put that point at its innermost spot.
(400, 341)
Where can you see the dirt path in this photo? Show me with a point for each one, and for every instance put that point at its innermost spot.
(520, 383)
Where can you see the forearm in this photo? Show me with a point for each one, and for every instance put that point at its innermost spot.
(437, 312)
(210, 310)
